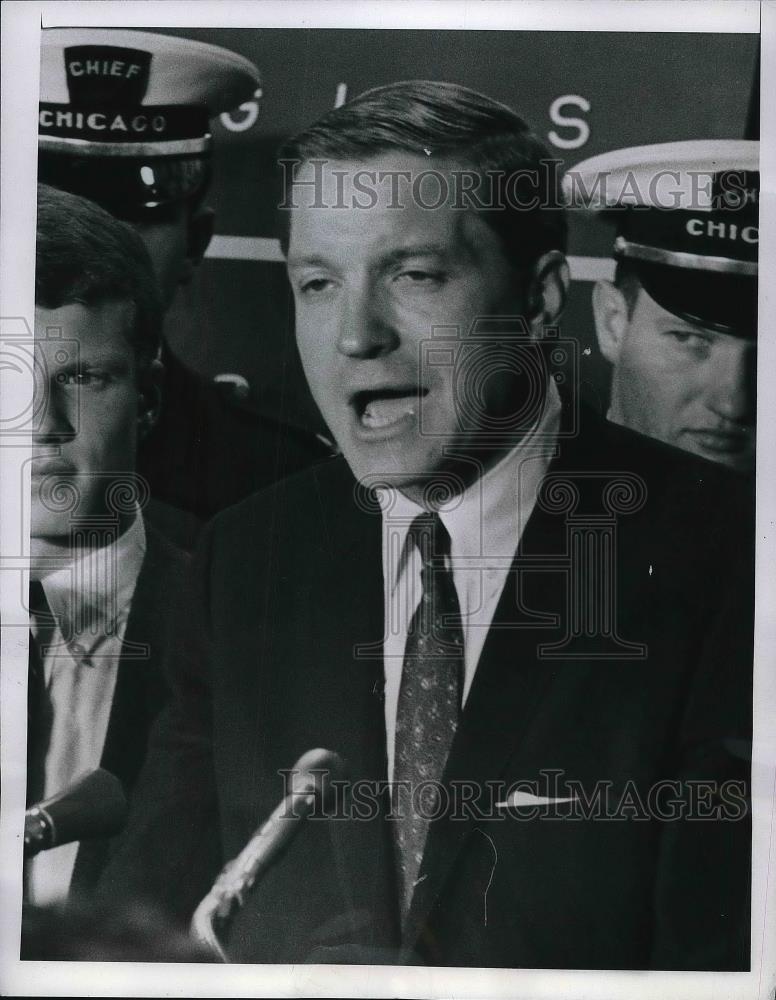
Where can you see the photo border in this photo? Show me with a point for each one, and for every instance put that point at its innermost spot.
(21, 23)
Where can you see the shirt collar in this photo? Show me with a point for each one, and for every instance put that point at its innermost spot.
(92, 594)
(488, 518)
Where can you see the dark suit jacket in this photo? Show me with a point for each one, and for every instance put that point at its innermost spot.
(141, 690)
(209, 450)
(281, 652)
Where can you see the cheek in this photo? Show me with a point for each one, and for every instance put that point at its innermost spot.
(314, 348)
(645, 366)
(658, 389)
(310, 346)
(109, 431)
(318, 354)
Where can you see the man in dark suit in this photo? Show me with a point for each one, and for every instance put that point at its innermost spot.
(526, 631)
(102, 579)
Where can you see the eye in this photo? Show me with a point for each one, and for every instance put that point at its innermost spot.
(420, 278)
(690, 340)
(315, 286)
(83, 379)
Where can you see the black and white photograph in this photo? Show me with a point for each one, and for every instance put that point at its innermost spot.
(387, 539)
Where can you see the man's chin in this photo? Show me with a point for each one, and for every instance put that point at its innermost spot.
(741, 462)
(48, 553)
(49, 529)
(427, 477)
(52, 530)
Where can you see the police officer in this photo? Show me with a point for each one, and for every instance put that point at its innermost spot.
(679, 322)
(124, 121)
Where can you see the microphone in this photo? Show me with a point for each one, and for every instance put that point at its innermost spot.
(93, 806)
(310, 785)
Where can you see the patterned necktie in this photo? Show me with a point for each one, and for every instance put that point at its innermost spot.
(429, 701)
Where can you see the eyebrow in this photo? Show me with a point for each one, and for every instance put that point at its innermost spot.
(103, 359)
(679, 325)
(420, 250)
(392, 257)
(308, 260)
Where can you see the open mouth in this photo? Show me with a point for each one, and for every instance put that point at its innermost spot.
(387, 406)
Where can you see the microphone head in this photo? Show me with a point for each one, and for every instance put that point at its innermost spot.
(93, 806)
(315, 771)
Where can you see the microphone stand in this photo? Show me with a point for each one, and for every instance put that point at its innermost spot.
(238, 876)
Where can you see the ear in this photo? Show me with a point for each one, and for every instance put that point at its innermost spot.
(149, 401)
(547, 291)
(199, 233)
(610, 312)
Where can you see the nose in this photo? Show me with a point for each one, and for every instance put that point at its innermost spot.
(56, 421)
(367, 329)
(732, 391)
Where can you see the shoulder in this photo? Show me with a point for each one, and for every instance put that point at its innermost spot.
(310, 493)
(303, 513)
(164, 558)
(701, 489)
(180, 528)
(696, 516)
(670, 476)
(160, 583)
(294, 530)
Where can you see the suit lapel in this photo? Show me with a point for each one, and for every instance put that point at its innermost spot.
(356, 638)
(509, 685)
(140, 691)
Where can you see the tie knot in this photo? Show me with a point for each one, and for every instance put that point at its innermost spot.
(431, 537)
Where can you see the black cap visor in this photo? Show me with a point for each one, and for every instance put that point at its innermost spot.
(131, 188)
(725, 303)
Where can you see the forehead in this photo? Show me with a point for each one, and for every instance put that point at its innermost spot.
(392, 196)
(102, 327)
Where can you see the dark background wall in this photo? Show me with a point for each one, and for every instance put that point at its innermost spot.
(623, 89)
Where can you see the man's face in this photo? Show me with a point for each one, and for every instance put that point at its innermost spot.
(87, 429)
(686, 385)
(370, 285)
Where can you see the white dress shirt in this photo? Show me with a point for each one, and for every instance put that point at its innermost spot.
(90, 599)
(485, 524)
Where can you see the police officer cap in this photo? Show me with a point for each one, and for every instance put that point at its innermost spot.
(124, 115)
(687, 224)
